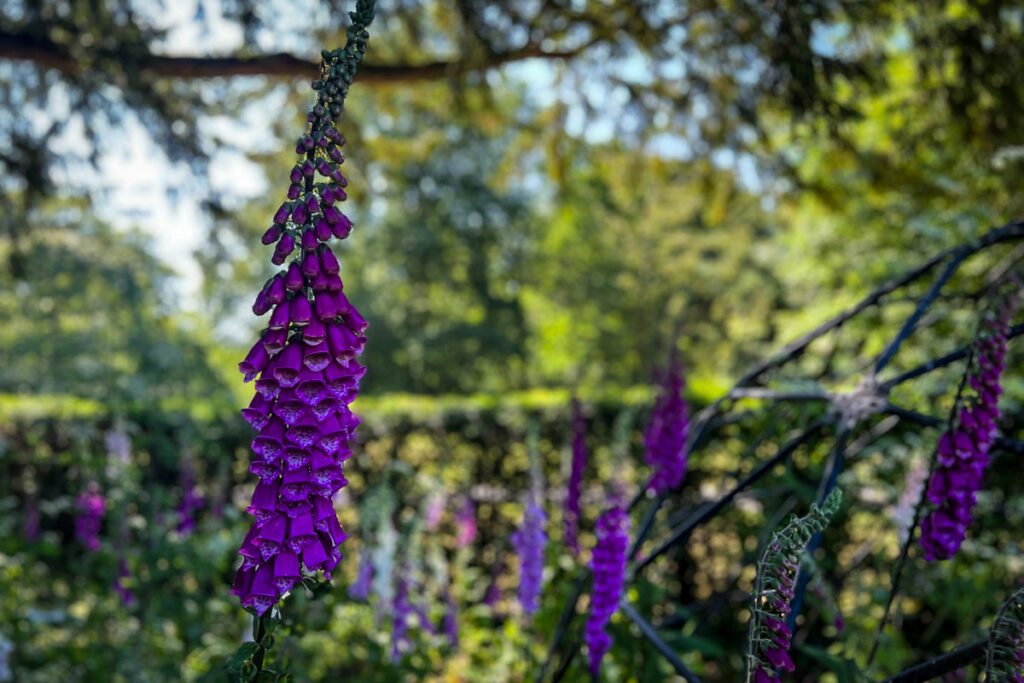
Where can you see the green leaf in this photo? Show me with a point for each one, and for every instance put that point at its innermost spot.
(242, 655)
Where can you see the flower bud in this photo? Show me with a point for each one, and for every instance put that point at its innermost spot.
(309, 241)
(272, 234)
(293, 278)
(329, 262)
(300, 311)
(282, 214)
(310, 265)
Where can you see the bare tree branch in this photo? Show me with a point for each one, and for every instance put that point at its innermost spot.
(44, 52)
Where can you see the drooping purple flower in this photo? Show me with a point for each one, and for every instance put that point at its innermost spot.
(962, 454)
(493, 595)
(306, 376)
(360, 588)
(435, 509)
(530, 542)
(90, 507)
(465, 524)
(575, 487)
(609, 567)
(119, 445)
(32, 519)
(1005, 661)
(769, 639)
(451, 619)
(120, 584)
(400, 624)
(190, 502)
(665, 437)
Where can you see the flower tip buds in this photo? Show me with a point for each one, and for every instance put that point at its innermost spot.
(272, 234)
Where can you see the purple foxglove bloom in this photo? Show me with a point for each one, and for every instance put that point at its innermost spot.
(465, 525)
(665, 437)
(575, 487)
(432, 515)
(451, 619)
(530, 541)
(770, 638)
(493, 595)
(32, 519)
(609, 567)
(360, 588)
(91, 508)
(962, 453)
(122, 590)
(191, 502)
(400, 624)
(305, 381)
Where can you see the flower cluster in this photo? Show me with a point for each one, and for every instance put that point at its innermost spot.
(121, 584)
(465, 524)
(774, 589)
(575, 487)
(609, 566)
(665, 437)
(963, 449)
(191, 502)
(1006, 643)
(400, 623)
(306, 372)
(91, 508)
(530, 541)
(451, 619)
(360, 588)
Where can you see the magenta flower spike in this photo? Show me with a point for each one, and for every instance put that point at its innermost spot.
(530, 541)
(665, 437)
(90, 507)
(465, 524)
(575, 487)
(769, 637)
(400, 624)
(120, 584)
(303, 366)
(191, 501)
(962, 454)
(609, 567)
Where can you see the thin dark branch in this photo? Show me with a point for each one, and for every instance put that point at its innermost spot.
(951, 661)
(910, 324)
(764, 394)
(645, 526)
(564, 622)
(40, 50)
(683, 532)
(1000, 444)
(937, 363)
(958, 256)
(660, 645)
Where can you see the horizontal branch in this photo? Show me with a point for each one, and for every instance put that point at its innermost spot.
(951, 661)
(41, 50)
(937, 363)
(1001, 443)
